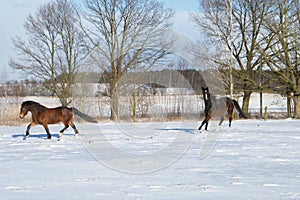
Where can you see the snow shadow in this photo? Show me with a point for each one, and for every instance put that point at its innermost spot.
(184, 130)
(40, 136)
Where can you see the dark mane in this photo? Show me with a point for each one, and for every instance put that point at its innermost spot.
(34, 105)
(29, 103)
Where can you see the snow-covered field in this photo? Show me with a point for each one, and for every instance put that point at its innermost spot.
(252, 160)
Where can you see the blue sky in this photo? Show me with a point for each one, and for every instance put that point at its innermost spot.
(14, 12)
(182, 5)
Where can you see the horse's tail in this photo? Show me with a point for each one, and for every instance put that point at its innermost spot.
(241, 112)
(83, 116)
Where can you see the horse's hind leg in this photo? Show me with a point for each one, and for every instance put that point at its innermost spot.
(74, 127)
(221, 120)
(62, 130)
(230, 119)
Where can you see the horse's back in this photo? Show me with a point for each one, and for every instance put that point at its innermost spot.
(219, 106)
(66, 112)
(56, 115)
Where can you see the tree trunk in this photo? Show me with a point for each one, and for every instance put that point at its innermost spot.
(63, 101)
(246, 100)
(134, 105)
(114, 109)
(289, 107)
(297, 106)
(114, 105)
(114, 100)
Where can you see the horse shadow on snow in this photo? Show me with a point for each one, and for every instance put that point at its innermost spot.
(183, 130)
(38, 135)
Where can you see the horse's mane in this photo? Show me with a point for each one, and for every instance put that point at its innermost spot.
(31, 103)
(34, 105)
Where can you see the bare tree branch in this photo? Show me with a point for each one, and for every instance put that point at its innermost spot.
(53, 49)
(125, 34)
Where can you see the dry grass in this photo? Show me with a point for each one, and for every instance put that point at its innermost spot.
(11, 118)
(10, 108)
(9, 113)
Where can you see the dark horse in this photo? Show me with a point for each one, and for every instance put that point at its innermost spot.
(218, 107)
(42, 115)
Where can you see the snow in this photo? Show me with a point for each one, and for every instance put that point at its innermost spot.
(167, 160)
(274, 102)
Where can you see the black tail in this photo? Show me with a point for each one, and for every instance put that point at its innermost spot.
(83, 116)
(241, 112)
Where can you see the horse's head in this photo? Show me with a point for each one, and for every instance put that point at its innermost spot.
(25, 107)
(205, 90)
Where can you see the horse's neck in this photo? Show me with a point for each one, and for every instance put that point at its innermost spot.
(206, 96)
(207, 100)
(37, 108)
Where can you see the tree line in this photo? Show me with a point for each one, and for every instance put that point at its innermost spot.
(192, 79)
(246, 35)
(113, 35)
(244, 40)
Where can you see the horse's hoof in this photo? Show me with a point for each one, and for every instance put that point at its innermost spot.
(49, 137)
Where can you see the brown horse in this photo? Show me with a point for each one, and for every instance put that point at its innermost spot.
(42, 115)
(218, 107)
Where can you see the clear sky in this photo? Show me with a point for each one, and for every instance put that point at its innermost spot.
(13, 14)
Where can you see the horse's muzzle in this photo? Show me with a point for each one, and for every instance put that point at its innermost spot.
(21, 116)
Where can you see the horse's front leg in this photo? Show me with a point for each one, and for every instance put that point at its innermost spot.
(203, 122)
(206, 126)
(208, 117)
(28, 128)
(47, 130)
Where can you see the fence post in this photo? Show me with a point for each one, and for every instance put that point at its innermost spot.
(266, 113)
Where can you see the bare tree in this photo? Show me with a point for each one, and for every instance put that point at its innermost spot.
(242, 36)
(53, 48)
(4, 80)
(126, 35)
(283, 31)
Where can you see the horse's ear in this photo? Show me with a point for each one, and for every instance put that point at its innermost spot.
(204, 88)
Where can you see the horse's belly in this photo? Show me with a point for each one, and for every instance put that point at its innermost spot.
(53, 122)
